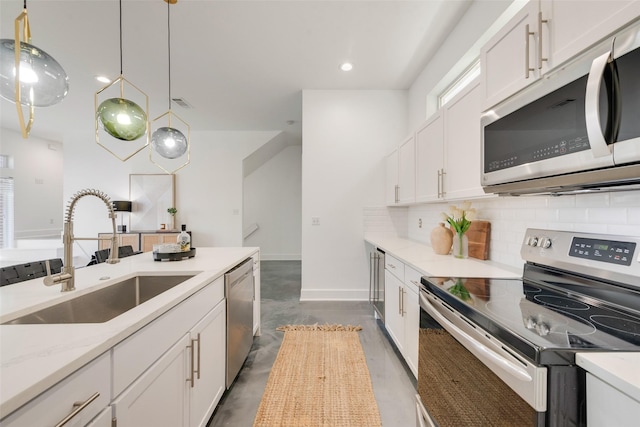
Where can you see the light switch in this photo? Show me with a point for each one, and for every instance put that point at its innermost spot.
(315, 220)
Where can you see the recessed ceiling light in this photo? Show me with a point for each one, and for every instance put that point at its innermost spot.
(103, 79)
(347, 66)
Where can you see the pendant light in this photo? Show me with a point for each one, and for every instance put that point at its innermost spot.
(169, 142)
(121, 118)
(29, 76)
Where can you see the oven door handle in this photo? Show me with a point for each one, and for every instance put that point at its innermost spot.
(490, 356)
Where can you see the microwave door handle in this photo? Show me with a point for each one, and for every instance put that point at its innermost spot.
(599, 147)
(464, 338)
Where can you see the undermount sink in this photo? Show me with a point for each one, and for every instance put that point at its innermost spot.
(104, 304)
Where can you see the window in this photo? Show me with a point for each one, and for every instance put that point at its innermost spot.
(6, 212)
(460, 83)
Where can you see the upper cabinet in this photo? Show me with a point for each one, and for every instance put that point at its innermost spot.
(543, 35)
(430, 159)
(407, 171)
(391, 186)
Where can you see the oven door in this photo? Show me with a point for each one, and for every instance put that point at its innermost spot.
(466, 377)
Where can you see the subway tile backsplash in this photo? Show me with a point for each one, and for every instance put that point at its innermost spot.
(612, 213)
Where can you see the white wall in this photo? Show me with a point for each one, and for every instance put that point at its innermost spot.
(38, 184)
(273, 200)
(345, 136)
(208, 190)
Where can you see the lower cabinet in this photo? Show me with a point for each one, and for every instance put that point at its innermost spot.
(89, 385)
(608, 406)
(160, 396)
(256, 295)
(402, 313)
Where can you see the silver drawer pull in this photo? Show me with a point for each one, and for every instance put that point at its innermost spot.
(79, 407)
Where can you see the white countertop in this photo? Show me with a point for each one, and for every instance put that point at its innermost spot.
(621, 370)
(35, 357)
(422, 258)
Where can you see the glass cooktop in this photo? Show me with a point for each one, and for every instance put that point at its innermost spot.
(546, 320)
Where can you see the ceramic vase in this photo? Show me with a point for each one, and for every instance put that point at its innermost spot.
(460, 245)
(441, 239)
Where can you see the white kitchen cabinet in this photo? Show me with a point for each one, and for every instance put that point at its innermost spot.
(256, 295)
(208, 366)
(462, 154)
(574, 25)
(544, 35)
(430, 158)
(391, 181)
(608, 406)
(90, 384)
(160, 396)
(402, 311)
(508, 59)
(407, 171)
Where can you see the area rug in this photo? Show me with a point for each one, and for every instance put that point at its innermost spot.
(319, 378)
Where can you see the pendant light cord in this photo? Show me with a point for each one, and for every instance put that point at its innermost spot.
(168, 47)
(120, 37)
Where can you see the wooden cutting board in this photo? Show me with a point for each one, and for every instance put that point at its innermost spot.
(479, 235)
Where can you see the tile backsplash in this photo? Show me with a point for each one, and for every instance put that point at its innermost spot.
(611, 213)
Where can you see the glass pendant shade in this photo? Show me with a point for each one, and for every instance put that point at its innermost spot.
(43, 82)
(169, 142)
(121, 118)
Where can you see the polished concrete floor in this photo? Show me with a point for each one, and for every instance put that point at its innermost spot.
(393, 384)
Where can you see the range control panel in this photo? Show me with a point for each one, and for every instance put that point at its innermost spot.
(603, 250)
(610, 257)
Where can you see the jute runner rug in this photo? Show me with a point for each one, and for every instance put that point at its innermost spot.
(319, 378)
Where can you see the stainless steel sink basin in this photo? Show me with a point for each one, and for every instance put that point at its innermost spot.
(104, 304)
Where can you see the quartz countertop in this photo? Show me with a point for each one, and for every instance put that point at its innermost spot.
(620, 370)
(422, 258)
(36, 357)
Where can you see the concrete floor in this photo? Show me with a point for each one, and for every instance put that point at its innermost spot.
(393, 384)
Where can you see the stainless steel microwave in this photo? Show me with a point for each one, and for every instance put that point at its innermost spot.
(577, 129)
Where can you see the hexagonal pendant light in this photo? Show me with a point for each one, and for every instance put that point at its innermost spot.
(168, 143)
(120, 118)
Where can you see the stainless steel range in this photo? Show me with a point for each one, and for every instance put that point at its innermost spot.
(502, 351)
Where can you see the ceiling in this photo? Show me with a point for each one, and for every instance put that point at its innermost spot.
(241, 65)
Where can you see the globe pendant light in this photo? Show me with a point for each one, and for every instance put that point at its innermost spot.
(167, 141)
(28, 75)
(119, 117)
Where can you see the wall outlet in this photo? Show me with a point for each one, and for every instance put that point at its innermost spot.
(315, 220)
(419, 222)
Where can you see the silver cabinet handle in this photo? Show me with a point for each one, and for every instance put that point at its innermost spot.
(441, 174)
(527, 68)
(198, 358)
(400, 300)
(402, 311)
(391, 266)
(540, 58)
(79, 406)
(192, 380)
(397, 196)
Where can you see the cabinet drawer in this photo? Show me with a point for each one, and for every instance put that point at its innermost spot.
(412, 278)
(394, 266)
(133, 355)
(52, 406)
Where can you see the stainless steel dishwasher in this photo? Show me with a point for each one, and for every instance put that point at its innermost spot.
(239, 292)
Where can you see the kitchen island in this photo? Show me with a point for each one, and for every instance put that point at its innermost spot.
(36, 357)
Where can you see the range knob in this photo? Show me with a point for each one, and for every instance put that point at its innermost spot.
(543, 329)
(545, 243)
(533, 241)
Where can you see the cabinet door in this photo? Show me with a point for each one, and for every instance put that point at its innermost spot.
(393, 320)
(208, 341)
(574, 25)
(132, 240)
(411, 326)
(148, 240)
(462, 149)
(391, 186)
(429, 158)
(508, 59)
(407, 171)
(103, 419)
(608, 406)
(160, 396)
